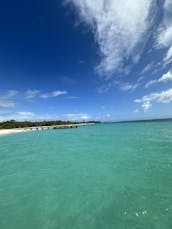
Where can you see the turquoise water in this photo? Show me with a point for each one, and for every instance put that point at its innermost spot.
(94, 177)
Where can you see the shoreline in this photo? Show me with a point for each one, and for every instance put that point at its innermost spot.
(12, 131)
(37, 128)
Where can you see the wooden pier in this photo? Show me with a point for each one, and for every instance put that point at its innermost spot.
(52, 127)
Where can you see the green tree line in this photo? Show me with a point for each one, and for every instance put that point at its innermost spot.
(17, 124)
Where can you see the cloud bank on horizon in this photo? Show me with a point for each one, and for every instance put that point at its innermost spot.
(31, 116)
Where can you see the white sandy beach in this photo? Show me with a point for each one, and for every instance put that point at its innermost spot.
(12, 131)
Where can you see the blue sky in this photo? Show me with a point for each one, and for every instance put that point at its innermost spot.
(86, 60)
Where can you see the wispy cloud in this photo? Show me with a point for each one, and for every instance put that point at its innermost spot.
(30, 94)
(146, 105)
(128, 87)
(119, 28)
(146, 68)
(151, 82)
(8, 95)
(165, 31)
(164, 38)
(31, 116)
(18, 116)
(28, 116)
(6, 99)
(164, 78)
(161, 97)
(53, 94)
(57, 93)
(7, 104)
(140, 78)
(168, 57)
(72, 97)
(45, 95)
(74, 117)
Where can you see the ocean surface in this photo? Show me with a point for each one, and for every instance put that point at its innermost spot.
(105, 176)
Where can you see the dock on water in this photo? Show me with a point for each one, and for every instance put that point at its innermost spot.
(55, 127)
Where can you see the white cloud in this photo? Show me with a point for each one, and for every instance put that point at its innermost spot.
(30, 116)
(168, 57)
(19, 116)
(11, 94)
(146, 105)
(164, 38)
(53, 94)
(5, 99)
(74, 117)
(108, 115)
(8, 95)
(72, 97)
(26, 113)
(45, 96)
(164, 78)
(128, 87)
(140, 78)
(30, 94)
(146, 68)
(150, 83)
(168, 5)
(161, 97)
(7, 104)
(57, 93)
(119, 28)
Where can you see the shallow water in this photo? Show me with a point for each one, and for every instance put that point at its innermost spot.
(93, 177)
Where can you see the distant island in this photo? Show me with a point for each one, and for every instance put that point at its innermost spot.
(24, 124)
